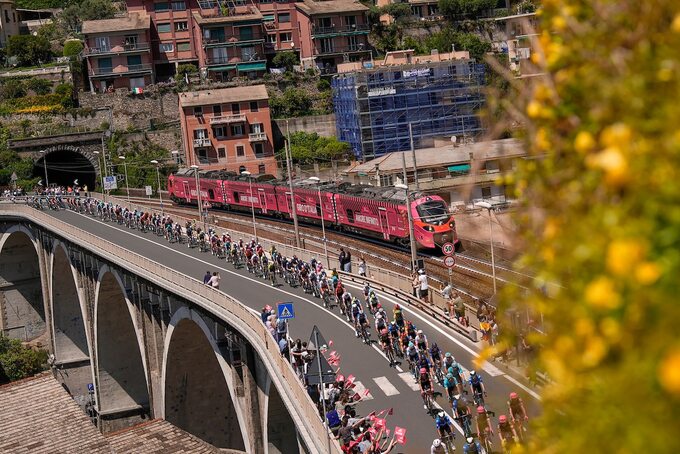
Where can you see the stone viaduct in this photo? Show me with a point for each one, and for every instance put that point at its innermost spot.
(133, 340)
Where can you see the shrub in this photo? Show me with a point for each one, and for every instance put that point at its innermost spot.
(29, 50)
(19, 362)
(73, 48)
(12, 89)
(39, 86)
(323, 85)
(286, 60)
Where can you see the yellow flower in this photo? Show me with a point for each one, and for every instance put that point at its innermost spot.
(669, 372)
(647, 273)
(613, 163)
(584, 142)
(541, 140)
(559, 23)
(584, 327)
(595, 351)
(534, 109)
(622, 255)
(601, 294)
(551, 228)
(675, 26)
(617, 135)
(611, 329)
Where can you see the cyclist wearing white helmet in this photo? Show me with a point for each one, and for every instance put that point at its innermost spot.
(437, 447)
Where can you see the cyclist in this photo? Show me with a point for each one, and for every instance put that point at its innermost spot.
(451, 387)
(436, 356)
(444, 425)
(517, 411)
(506, 432)
(472, 446)
(437, 447)
(394, 335)
(426, 388)
(367, 291)
(411, 330)
(356, 307)
(362, 323)
(424, 362)
(380, 322)
(412, 356)
(477, 386)
(463, 413)
(373, 301)
(421, 341)
(483, 423)
(386, 345)
(339, 291)
(347, 305)
(398, 316)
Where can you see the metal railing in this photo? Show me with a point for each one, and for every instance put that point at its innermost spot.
(202, 142)
(119, 48)
(121, 69)
(219, 303)
(340, 29)
(341, 50)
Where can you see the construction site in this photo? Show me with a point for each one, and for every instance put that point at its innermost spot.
(382, 106)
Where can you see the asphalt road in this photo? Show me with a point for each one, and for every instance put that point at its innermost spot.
(389, 388)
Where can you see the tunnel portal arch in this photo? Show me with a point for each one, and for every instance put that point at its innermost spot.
(65, 164)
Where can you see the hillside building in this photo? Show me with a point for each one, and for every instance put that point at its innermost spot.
(228, 128)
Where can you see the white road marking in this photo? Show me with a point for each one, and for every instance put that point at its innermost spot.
(527, 390)
(360, 388)
(385, 386)
(410, 382)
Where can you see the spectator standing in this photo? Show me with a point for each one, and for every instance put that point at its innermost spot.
(281, 329)
(207, 277)
(264, 315)
(214, 281)
(348, 263)
(362, 267)
(342, 257)
(424, 286)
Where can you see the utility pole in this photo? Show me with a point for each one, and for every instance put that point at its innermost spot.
(414, 253)
(413, 156)
(289, 163)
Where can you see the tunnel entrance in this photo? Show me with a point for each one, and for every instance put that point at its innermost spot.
(64, 165)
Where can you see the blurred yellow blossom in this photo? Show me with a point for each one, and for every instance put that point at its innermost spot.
(623, 255)
(647, 273)
(613, 163)
(584, 142)
(669, 371)
(602, 294)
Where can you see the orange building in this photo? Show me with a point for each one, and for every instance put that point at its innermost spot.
(228, 128)
(118, 52)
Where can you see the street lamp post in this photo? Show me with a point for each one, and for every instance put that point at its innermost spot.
(414, 253)
(245, 173)
(323, 223)
(158, 174)
(47, 181)
(198, 195)
(289, 163)
(101, 173)
(127, 184)
(488, 207)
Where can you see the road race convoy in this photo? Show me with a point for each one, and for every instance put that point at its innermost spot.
(434, 372)
(378, 212)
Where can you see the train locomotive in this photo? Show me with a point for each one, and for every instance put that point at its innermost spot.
(377, 212)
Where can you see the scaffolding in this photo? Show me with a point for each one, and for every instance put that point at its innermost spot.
(373, 107)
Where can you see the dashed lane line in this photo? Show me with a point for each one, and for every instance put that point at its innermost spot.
(385, 386)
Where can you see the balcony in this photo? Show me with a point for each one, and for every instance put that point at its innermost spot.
(125, 48)
(334, 30)
(257, 137)
(121, 70)
(202, 142)
(253, 63)
(231, 41)
(342, 50)
(227, 119)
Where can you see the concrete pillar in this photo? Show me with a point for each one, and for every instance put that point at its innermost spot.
(251, 402)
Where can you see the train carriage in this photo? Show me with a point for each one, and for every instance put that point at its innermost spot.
(377, 212)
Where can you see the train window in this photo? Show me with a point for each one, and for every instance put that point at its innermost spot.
(318, 210)
(236, 200)
(211, 193)
(350, 216)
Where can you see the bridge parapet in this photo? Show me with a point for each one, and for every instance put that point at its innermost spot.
(297, 401)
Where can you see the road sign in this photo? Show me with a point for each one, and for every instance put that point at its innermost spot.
(450, 261)
(110, 182)
(448, 248)
(148, 189)
(286, 311)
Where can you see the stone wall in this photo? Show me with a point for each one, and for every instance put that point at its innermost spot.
(170, 138)
(324, 125)
(134, 111)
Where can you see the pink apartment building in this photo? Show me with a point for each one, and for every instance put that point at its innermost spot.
(118, 52)
(228, 128)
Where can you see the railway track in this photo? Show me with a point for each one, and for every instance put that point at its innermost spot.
(471, 274)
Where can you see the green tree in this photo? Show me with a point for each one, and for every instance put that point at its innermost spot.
(17, 361)
(309, 147)
(464, 9)
(39, 86)
(448, 37)
(294, 102)
(398, 11)
(286, 60)
(602, 225)
(72, 17)
(73, 48)
(29, 50)
(12, 89)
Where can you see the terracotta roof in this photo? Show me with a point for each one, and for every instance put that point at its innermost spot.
(38, 416)
(444, 156)
(253, 14)
(311, 7)
(157, 436)
(223, 96)
(118, 24)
